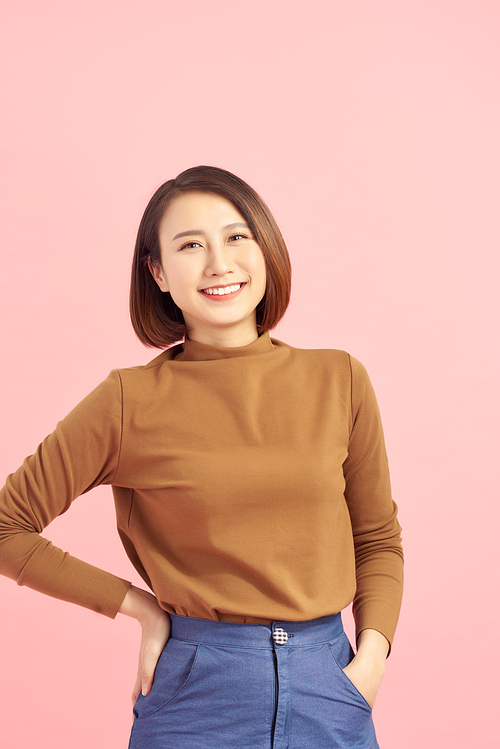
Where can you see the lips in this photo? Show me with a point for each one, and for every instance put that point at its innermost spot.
(219, 291)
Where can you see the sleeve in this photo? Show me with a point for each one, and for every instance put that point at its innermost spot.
(80, 454)
(376, 531)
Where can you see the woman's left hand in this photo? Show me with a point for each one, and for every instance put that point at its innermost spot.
(367, 668)
(366, 679)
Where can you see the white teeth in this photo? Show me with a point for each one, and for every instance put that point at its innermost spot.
(223, 290)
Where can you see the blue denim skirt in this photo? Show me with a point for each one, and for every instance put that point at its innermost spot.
(251, 686)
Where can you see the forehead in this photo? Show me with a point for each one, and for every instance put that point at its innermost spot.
(199, 210)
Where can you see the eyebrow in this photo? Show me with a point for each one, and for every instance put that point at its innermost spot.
(199, 232)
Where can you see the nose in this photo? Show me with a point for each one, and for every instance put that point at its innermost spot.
(219, 260)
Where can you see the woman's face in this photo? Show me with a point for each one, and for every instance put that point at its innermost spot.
(213, 268)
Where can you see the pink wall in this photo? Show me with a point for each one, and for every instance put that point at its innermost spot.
(372, 129)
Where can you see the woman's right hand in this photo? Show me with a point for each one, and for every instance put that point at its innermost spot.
(155, 623)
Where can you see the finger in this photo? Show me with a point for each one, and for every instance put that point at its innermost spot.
(147, 677)
(150, 659)
(137, 689)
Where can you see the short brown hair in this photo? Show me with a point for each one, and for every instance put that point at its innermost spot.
(156, 319)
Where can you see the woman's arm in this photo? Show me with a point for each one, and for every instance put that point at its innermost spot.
(82, 452)
(155, 623)
(373, 514)
(376, 536)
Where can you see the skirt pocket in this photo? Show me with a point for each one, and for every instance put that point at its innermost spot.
(342, 654)
(173, 671)
(213, 697)
(327, 709)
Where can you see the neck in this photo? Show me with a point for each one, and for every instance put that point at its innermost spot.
(225, 337)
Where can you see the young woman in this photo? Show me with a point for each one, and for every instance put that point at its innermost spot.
(251, 489)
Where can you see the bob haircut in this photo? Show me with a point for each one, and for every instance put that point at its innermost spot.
(156, 319)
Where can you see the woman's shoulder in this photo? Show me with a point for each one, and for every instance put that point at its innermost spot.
(330, 356)
(148, 370)
(322, 365)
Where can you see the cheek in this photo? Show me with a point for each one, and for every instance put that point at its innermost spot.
(178, 276)
(263, 275)
(259, 268)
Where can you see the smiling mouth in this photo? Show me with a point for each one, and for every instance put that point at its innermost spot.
(219, 291)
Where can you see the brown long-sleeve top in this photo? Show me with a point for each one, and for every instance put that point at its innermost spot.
(251, 485)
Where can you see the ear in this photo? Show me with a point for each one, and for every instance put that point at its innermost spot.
(157, 272)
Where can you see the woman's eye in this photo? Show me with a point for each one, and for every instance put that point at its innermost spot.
(236, 237)
(190, 245)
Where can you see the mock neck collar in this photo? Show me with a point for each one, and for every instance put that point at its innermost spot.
(195, 351)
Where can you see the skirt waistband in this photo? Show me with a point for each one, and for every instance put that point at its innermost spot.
(296, 634)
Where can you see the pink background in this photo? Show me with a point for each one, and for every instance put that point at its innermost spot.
(372, 130)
